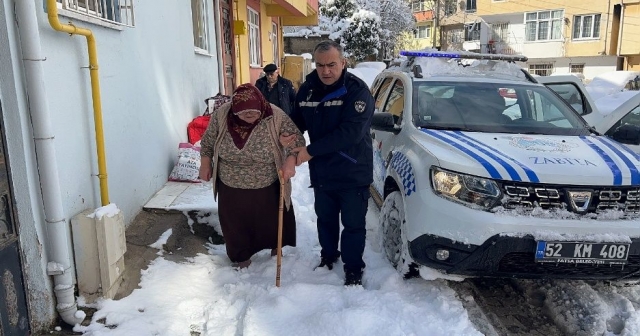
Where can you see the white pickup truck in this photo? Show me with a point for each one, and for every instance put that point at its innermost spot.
(622, 124)
(479, 169)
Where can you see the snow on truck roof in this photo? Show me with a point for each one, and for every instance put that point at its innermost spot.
(433, 63)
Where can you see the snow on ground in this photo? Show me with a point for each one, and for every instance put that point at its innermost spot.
(208, 296)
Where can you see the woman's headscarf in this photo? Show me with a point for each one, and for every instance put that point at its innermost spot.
(246, 97)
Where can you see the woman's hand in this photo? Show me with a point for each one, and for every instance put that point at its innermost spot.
(205, 168)
(289, 168)
(287, 140)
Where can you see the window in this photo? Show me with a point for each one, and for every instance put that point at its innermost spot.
(495, 108)
(419, 6)
(472, 32)
(200, 18)
(617, 132)
(395, 103)
(570, 93)
(471, 5)
(543, 69)
(450, 7)
(586, 26)
(274, 43)
(422, 32)
(499, 32)
(254, 37)
(113, 11)
(543, 26)
(576, 68)
(381, 93)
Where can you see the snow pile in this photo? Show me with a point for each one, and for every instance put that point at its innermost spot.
(207, 296)
(162, 240)
(372, 65)
(442, 66)
(607, 104)
(107, 210)
(368, 75)
(610, 82)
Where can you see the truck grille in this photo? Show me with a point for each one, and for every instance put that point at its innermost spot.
(522, 263)
(578, 199)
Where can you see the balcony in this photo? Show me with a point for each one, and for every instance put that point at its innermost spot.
(502, 47)
(294, 12)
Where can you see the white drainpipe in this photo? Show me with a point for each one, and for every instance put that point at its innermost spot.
(59, 264)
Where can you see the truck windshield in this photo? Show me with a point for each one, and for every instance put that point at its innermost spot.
(494, 108)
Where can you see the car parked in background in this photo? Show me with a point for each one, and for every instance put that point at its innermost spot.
(621, 123)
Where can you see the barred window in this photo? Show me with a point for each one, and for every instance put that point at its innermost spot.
(541, 69)
(113, 11)
(576, 68)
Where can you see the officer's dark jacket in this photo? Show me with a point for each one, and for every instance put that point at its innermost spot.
(338, 119)
(287, 93)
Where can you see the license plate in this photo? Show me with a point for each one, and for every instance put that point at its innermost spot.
(582, 253)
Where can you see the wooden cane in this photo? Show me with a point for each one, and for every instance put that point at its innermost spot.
(280, 220)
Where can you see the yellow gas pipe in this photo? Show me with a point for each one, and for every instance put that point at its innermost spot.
(52, 11)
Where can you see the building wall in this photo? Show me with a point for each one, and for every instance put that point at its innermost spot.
(152, 84)
(567, 46)
(297, 45)
(630, 37)
(24, 176)
(593, 65)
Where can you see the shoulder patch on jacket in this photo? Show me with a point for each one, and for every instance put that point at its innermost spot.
(360, 106)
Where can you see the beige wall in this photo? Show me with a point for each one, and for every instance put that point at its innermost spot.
(630, 38)
(572, 48)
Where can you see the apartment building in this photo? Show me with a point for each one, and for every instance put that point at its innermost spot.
(460, 25)
(558, 36)
(424, 35)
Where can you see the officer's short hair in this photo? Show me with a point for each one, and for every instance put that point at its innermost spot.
(327, 45)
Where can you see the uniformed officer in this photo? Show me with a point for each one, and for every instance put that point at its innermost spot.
(335, 107)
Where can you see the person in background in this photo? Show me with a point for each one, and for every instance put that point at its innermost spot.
(278, 90)
(242, 154)
(336, 108)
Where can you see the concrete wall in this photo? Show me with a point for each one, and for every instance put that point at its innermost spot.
(593, 66)
(24, 177)
(152, 84)
(300, 45)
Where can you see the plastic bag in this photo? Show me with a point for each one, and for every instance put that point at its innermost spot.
(187, 169)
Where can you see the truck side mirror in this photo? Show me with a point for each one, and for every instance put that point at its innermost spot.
(383, 121)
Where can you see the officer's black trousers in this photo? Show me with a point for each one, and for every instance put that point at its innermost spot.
(350, 206)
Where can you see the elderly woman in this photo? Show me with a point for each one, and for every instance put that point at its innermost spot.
(242, 153)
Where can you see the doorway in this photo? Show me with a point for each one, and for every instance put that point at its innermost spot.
(228, 49)
(13, 304)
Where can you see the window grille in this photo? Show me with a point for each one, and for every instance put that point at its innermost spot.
(576, 68)
(114, 11)
(542, 69)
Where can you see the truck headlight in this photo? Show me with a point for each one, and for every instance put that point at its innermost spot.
(467, 189)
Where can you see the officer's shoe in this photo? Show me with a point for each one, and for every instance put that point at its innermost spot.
(353, 278)
(328, 262)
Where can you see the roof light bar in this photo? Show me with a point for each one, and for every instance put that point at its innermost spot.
(478, 56)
